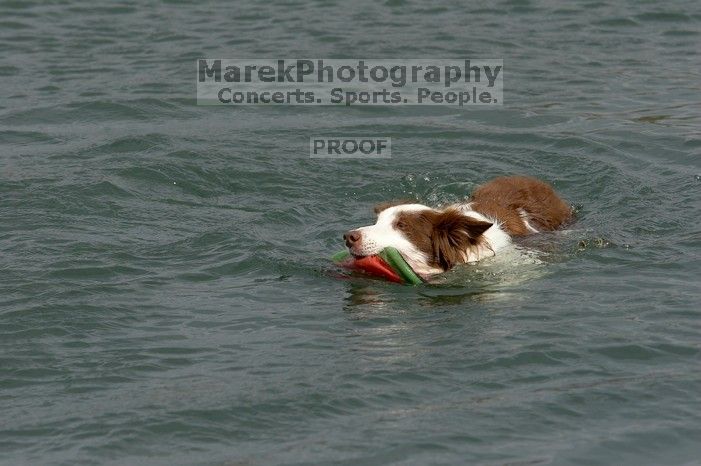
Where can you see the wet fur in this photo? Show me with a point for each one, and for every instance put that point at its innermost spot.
(435, 240)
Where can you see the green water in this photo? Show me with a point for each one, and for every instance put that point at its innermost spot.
(165, 293)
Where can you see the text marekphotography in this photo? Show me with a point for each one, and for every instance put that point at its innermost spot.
(453, 82)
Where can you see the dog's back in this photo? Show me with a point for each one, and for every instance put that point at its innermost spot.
(522, 204)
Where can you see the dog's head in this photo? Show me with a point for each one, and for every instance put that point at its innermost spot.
(430, 240)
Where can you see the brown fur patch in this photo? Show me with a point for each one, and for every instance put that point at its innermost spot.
(502, 198)
(444, 236)
(386, 205)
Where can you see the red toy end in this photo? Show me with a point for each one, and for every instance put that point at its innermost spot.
(373, 265)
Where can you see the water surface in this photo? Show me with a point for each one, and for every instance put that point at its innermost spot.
(165, 293)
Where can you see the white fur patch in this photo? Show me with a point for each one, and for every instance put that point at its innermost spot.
(524, 217)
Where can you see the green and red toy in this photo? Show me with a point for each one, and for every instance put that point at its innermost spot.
(388, 264)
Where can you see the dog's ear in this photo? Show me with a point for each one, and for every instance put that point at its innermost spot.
(386, 205)
(453, 234)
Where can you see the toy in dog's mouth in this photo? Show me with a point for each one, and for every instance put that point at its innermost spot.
(388, 264)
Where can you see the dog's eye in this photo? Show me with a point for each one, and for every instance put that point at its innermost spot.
(401, 225)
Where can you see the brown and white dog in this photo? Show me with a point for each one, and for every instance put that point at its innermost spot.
(434, 240)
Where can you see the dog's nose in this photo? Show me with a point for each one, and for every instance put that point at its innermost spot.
(352, 237)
